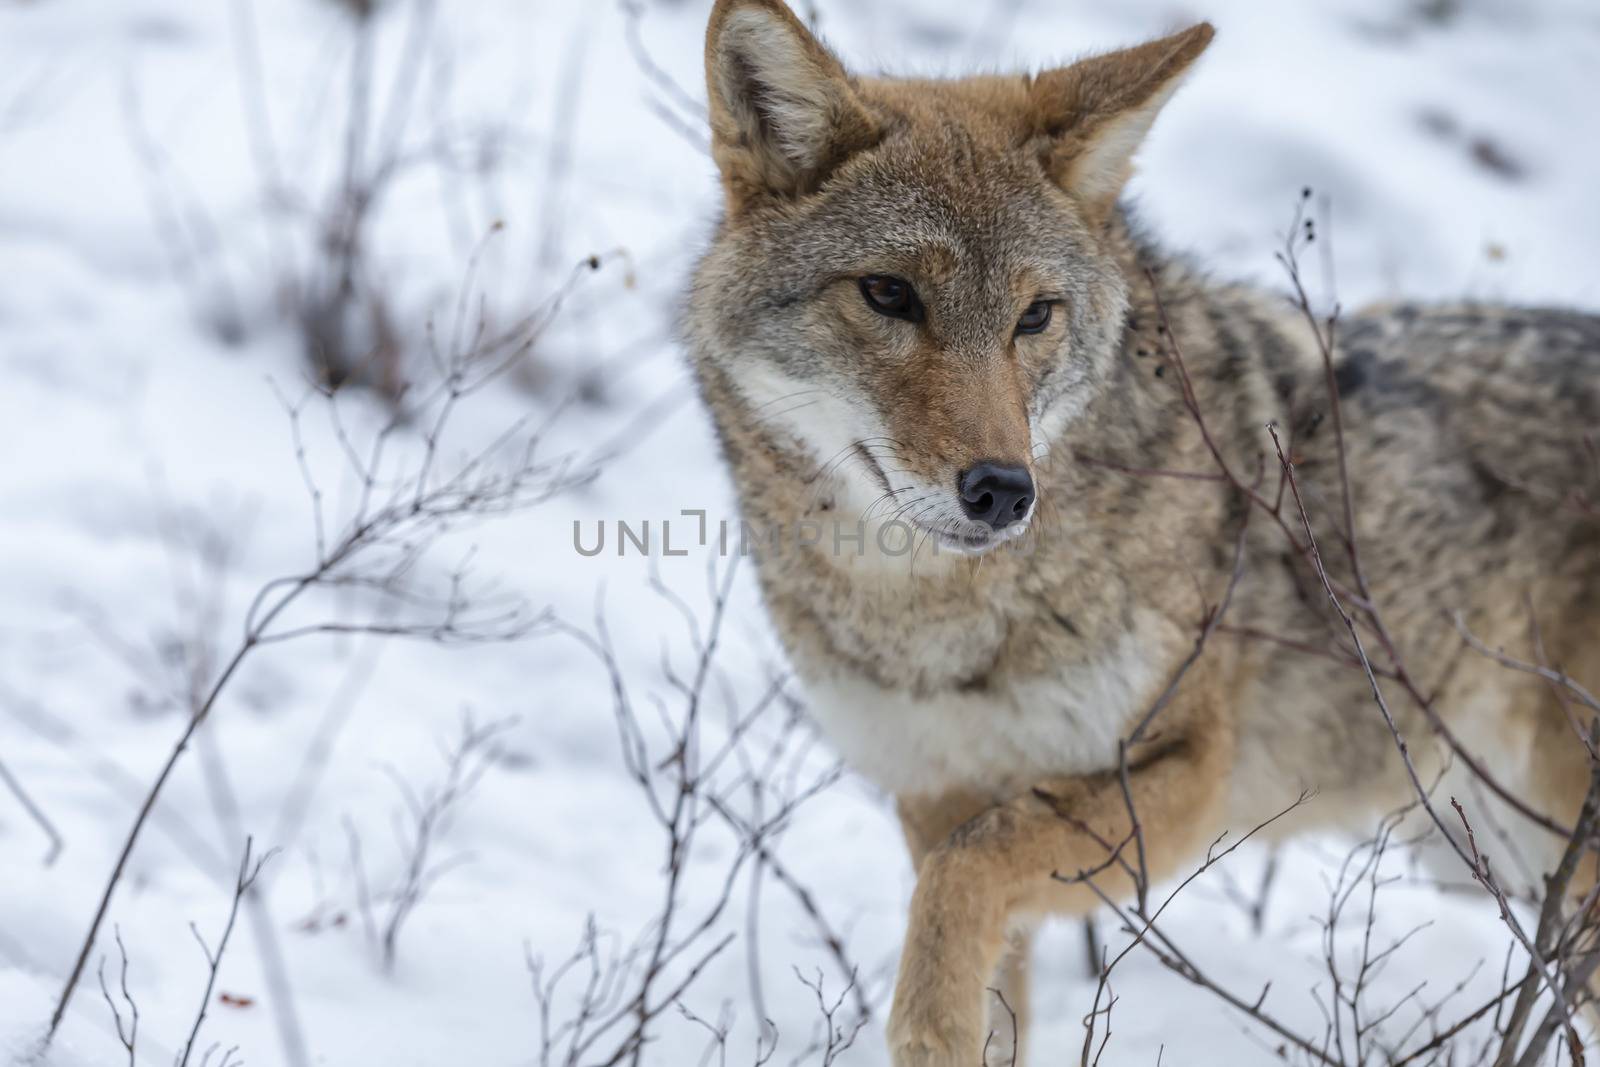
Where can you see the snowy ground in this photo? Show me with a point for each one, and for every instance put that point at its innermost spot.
(142, 360)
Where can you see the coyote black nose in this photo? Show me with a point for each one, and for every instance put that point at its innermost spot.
(995, 494)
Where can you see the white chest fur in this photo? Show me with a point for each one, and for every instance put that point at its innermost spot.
(997, 739)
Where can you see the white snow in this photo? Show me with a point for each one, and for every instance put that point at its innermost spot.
(122, 405)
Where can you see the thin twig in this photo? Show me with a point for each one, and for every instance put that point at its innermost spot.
(35, 812)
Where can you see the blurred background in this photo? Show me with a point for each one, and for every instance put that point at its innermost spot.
(326, 326)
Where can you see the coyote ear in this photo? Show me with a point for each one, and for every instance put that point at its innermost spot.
(783, 111)
(1090, 118)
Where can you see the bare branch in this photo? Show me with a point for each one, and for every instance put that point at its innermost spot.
(35, 813)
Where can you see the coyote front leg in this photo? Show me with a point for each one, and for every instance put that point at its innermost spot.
(997, 867)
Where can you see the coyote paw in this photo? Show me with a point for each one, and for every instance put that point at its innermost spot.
(922, 1038)
(929, 1051)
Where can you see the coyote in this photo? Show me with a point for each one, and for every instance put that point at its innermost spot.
(923, 306)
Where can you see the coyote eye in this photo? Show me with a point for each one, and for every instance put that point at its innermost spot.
(1036, 318)
(892, 296)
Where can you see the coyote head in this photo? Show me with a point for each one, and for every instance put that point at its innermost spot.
(911, 280)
